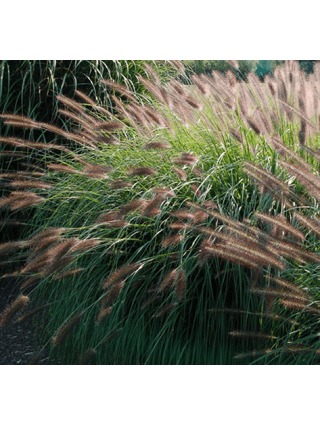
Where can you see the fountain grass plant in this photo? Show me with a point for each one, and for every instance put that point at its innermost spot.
(178, 229)
(32, 88)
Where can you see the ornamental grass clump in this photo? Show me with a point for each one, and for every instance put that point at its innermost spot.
(187, 223)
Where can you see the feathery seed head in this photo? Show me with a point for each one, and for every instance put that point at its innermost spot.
(183, 215)
(300, 305)
(61, 334)
(115, 224)
(204, 252)
(307, 223)
(62, 168)
(201, 84)
(157, 145)
(279, 293)
(44, 234)
(84, 245)
(156, 201)
(72, 104)
(89, 354)
(109, 126)
(185, 159)
(180, 173)
(119, 184)
(15, 307)
(15, 197)
(112, 294)
(91, 169)
(133, 206)
(43, 244)
(110, 216)
(86, 98)
(163, 191)
(178, 226)
(121, 274)
(196, 190)
(256, 127)
(31, 281)
(172, 240)
(29, 201)
(168, 280)
(179, 65)
(178, 88)
(199, 216)
(108, 140)
(10, 222)
(120, 89)
(103, 314)
(233, 63)
(193, 103)
(59, 264)
(151, 212)
(250, 334)
(30, 184)
(180, 284)
(141, 171)
(10, 247)
(210, 205)
(151, 73)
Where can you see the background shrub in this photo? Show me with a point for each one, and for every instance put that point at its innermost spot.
(259, 67)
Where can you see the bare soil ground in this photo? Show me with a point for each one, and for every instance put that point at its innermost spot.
(18, 342)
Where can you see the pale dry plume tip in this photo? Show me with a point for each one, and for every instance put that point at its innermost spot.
(233, 63)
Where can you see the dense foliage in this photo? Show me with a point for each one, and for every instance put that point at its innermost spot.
(259, 67)
(31, 88)
(176, 228)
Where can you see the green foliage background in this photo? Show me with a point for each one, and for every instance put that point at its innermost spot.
(259, 67)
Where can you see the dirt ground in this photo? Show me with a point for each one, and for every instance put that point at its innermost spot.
(18, 343)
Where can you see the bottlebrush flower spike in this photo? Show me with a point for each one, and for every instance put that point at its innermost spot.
(61, 334)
